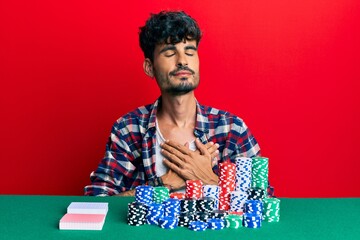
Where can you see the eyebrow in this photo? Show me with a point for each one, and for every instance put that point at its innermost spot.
(191, 47)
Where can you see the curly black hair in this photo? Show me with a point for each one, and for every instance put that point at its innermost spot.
(167, 27)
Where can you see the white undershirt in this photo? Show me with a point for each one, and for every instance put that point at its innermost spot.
(160, 167)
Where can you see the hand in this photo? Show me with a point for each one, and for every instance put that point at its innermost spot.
(191, 164)
(127, 193)
(172, 180)
(212, 148)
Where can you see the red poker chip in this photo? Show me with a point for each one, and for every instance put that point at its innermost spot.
(177, 195)
(194, 189)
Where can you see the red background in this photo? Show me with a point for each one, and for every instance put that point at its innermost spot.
(290, 69)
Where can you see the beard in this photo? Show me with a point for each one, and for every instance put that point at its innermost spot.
(181, 89)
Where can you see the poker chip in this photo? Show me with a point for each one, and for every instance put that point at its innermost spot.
(136, 214)
(254, 207)
(144, 194)
(243, 173)
(168, 222)
(271, 209)
(205, 204)
(177, 195)
(227, 173)
(202, 216)
(154, 213)
(233, 221)
(212, 191)
(187, 205)
(186, 218)
(171, 207)
(197, 226)
(193, 189)
(216, 224)
(218, 214)
(237, 201)
(236, 213)
(160, 194)
(251, 220)
(256, 193)
(259, 173)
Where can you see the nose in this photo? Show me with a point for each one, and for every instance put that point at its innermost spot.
(181, 60)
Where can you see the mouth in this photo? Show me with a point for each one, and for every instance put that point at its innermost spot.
(182, 73)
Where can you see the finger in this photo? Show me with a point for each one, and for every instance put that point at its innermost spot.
(208, 145)
(213, 148)
(177, 146)
(215, 154)
(176, 157)
(175, 168)
(202, 148)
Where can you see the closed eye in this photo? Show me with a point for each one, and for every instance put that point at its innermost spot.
(190, 50)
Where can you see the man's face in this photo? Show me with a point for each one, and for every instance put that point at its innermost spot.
(176, 67)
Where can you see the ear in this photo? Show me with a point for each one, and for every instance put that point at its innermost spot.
(148, 67)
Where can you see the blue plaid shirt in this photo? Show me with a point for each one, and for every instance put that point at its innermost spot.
(130, 158)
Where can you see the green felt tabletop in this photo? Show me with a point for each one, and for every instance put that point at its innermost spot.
(37, 217)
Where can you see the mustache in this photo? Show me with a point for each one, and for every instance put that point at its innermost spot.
(181, 68)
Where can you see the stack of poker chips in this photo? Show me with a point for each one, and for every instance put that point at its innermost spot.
(154, 212)
(242, 184)
(168, 222)
(243, 173)
(136, 214)
(253, 213)
(193, 189)
(197, 226)
(216, 224)
(237, 201)
(160, 194)
(211, 206)
(251, 220)
(177, 195)
(259, 173)
(254, 206)
(171, 207)
(234, 221)
(271, 211)
(227, 173)
(144, 194)
(256, 193)
(212, 191)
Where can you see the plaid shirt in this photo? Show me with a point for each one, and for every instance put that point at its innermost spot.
(130, 157)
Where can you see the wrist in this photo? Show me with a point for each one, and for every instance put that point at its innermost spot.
(165, 182)
(212, 180)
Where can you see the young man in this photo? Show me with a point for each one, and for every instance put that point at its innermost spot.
(176, 138)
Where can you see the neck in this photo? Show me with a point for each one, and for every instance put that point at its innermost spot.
(179, 111)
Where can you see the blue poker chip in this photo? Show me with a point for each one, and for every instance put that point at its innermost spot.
(144, 194)
(197, 226)
(252, 220)
(154, 213)
(216, 224)
(168, 222)
(172, 207)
